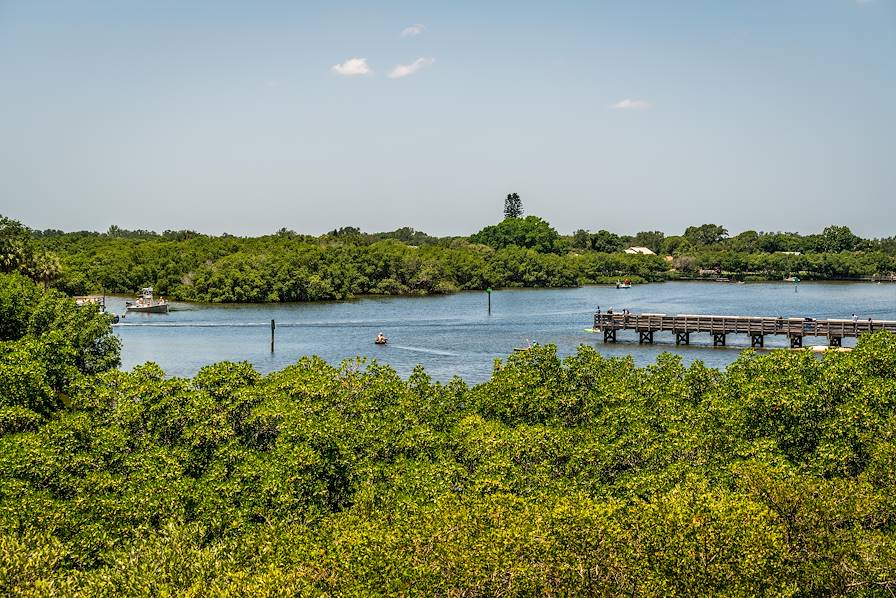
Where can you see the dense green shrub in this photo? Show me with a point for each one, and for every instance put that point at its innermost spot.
(82, 333)
(576, 476)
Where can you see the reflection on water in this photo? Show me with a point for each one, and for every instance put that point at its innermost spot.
(454, 335)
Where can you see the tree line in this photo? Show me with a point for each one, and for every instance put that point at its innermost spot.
(519, 251)
(577, 476)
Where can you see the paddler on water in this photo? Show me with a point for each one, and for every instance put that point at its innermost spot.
(381, 339)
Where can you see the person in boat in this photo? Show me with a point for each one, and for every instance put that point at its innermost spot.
(381, 339)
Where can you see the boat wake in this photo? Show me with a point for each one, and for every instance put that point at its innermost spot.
(192, 324)
(425, 350)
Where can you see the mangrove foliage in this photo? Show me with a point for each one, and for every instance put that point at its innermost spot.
(577, 476)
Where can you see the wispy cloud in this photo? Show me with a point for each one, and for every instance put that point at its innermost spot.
(352, 66)
(415, 29)
(403, 70)
(628, 104)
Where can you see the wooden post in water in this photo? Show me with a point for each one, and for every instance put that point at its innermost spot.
(273, 325)
(489, 293)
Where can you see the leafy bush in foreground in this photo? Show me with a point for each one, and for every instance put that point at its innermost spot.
(584, 476)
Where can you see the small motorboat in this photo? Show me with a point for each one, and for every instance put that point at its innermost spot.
(625, 284)
(147, 304)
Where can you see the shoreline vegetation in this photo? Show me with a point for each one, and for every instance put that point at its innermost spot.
(577, 476)
(519, 252)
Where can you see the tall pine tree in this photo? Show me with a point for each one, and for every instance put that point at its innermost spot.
(513, 206)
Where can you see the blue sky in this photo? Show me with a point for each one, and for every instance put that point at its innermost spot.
(230, 117)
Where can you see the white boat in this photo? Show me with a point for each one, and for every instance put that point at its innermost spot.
(625, 284)
(147, 304)
(98, 301)
(83, 300)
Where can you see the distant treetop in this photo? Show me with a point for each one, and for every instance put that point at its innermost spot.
(513, 206)
(530, 232)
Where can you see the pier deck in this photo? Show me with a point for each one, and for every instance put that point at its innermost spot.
(757, 327)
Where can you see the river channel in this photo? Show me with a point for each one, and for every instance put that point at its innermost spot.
(455, 335)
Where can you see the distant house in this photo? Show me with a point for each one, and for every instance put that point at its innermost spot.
(639, 250)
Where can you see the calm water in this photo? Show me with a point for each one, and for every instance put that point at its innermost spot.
(453, 335)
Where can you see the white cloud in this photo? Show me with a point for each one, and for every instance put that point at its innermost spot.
(631, 105)
(415, 29)
(352, 66)
(403, 70)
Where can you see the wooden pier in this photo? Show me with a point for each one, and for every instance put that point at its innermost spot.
(757, 327)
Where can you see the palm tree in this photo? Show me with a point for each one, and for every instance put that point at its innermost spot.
(45, 268)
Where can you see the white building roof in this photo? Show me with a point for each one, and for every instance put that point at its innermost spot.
(641, 250)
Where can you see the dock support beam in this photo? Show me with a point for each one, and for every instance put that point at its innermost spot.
(718, 339)
(609, 335)
(645, 336)
(757, 340)
(796, 341)
(682, 338)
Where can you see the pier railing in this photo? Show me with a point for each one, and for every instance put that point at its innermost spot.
(757, 327)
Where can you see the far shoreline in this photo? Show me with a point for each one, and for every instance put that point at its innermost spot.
(369, 296)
